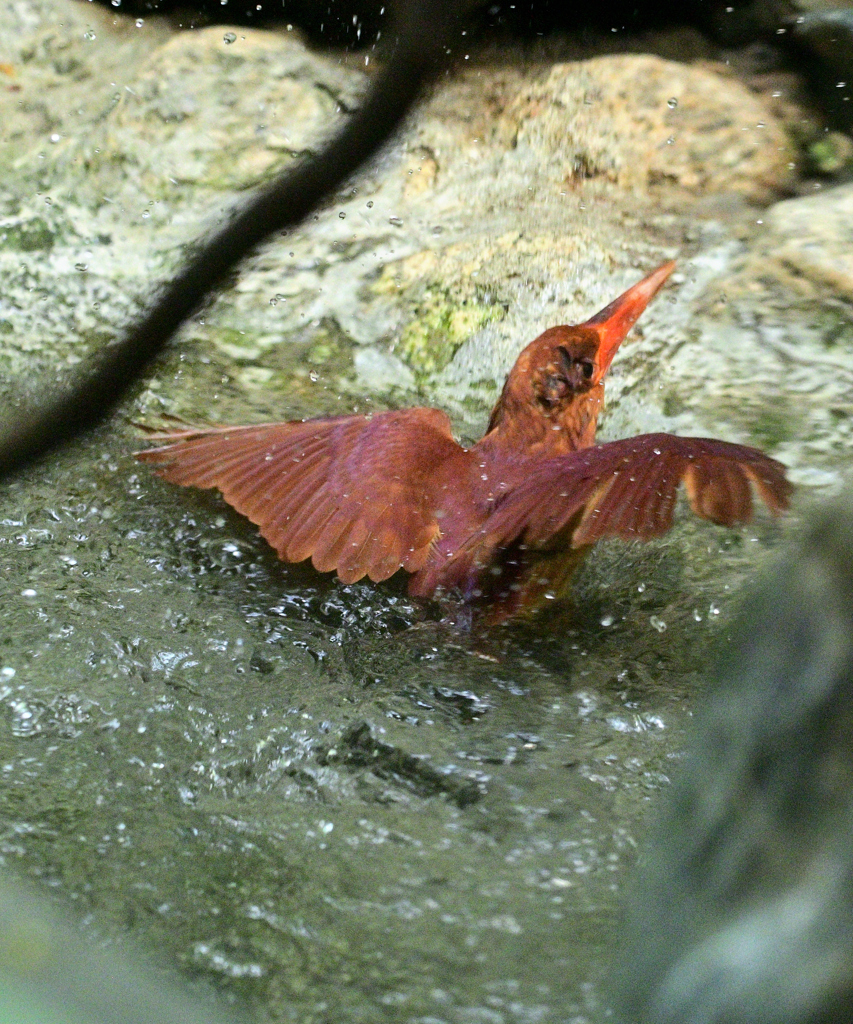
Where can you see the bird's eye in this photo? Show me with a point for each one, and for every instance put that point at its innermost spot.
(586, 369)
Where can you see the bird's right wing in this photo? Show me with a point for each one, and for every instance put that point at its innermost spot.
(624, 489)
(349, 492)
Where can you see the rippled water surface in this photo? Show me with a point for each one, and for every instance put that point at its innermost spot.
(324, 798)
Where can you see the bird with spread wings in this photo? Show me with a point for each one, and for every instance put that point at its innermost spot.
(503, 523)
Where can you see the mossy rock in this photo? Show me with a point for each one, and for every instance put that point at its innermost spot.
(831, 154)
(27, 235)
(440, 326)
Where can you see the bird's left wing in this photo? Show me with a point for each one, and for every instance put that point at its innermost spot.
(624, 489)
(350, 492)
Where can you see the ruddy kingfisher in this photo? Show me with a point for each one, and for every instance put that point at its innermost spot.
(504, 523)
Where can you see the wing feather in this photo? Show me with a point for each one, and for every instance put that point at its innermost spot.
(625, 489)
(296, 537)
(291, 493)
(199, 471)
(331, 543)
(252, 483)
(353, 565)
(616, 509)
(353, 493)
(392, 555)
(719, 493)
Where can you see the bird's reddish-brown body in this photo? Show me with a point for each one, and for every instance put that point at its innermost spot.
(504, 523)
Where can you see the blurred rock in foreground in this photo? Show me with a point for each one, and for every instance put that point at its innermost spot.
(48, 975)
(743, 909)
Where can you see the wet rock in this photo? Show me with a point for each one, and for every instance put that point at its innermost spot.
(60, 79)
(813, 237)
(358, 748)
(640, 121)
(218, 110)
(523, 194)
(742, 910)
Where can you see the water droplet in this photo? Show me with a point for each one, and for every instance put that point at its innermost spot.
(29, 592)
(697, 615)
(82, 267)
(89, 34)
(342, 215)
(549, 595)
(314, 376)
(657, 623)
(370, 204)
(714, 609)
(607, 620)
(145, 214)
(24, 722)
(395, 221)
(670, 140)
(229, 38)
(641, 588)
(55, 137)
(672, 103)
(140, 22)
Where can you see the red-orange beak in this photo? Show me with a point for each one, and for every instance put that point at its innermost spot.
(614, 321)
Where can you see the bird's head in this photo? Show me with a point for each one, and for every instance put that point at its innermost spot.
(556, 382)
